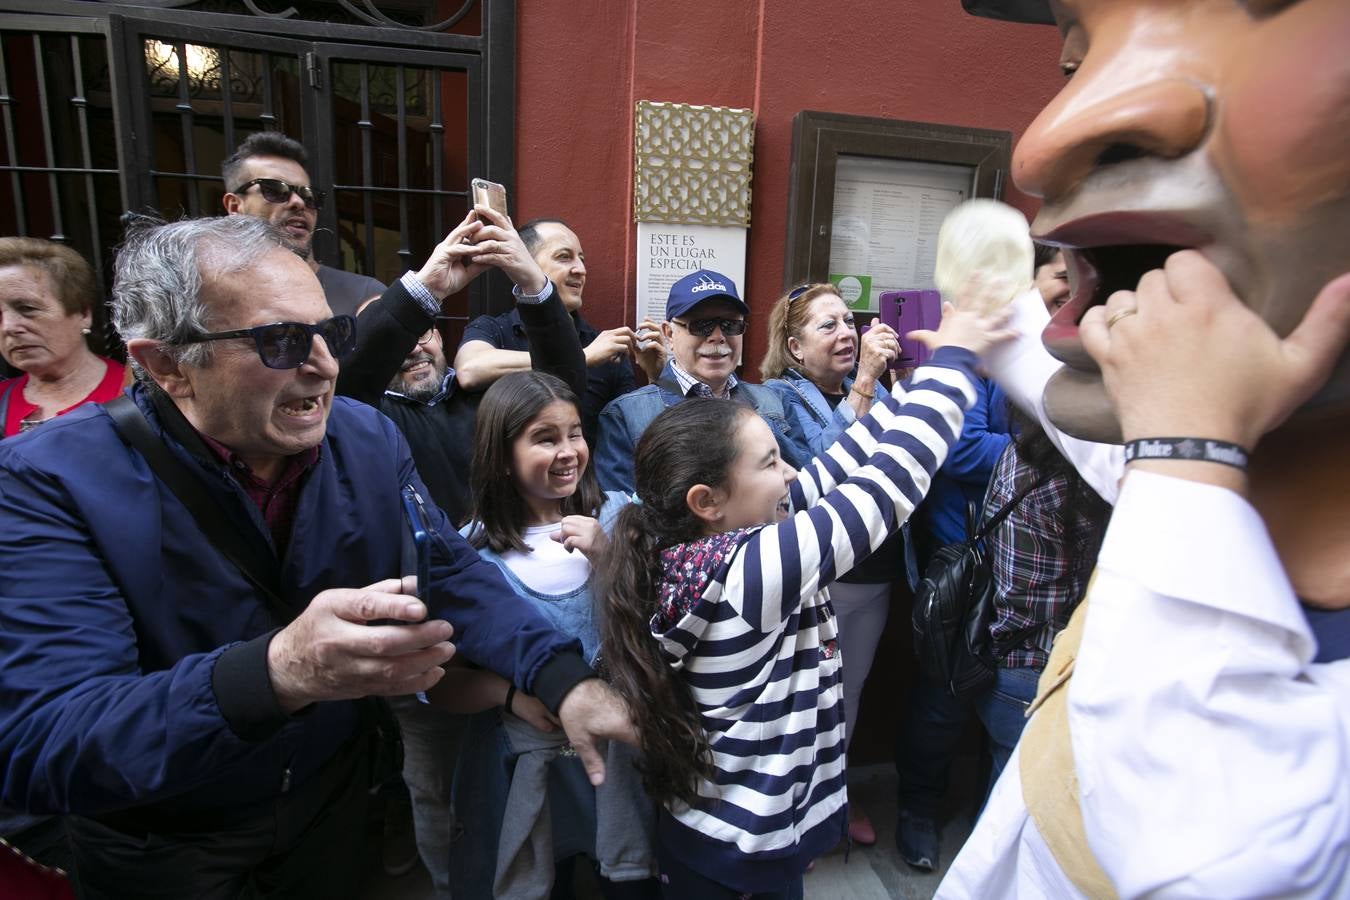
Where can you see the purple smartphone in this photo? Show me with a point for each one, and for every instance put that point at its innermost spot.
(907, 311)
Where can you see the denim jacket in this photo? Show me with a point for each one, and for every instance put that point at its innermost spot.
(625, 418)
(816, 426)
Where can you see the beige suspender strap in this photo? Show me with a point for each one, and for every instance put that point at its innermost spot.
(1049, 779)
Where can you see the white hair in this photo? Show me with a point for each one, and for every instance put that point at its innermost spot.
(160, 270)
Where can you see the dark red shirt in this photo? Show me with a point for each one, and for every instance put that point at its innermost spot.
(276, 501)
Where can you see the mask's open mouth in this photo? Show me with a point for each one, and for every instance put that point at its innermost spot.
(1107, 253)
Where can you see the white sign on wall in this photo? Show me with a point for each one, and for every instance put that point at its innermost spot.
(667, 253)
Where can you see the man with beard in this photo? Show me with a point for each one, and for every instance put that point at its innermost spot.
(266, 177)
(1191, 731)
(399, 363)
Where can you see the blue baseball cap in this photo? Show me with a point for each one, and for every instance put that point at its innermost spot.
(694, 288)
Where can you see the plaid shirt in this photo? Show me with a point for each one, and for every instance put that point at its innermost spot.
(277, 500)
(1041, 555)
(692, 387)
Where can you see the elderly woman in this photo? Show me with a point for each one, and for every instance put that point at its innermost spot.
(47, 299)
(814, 364)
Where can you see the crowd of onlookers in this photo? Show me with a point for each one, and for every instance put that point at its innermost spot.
(300, 504)
(502, 439)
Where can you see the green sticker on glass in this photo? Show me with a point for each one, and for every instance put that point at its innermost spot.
(856, 291)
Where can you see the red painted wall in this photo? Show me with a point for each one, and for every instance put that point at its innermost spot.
(582, 66)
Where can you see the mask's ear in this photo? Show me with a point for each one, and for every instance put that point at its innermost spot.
(154, 358)
(706, 503)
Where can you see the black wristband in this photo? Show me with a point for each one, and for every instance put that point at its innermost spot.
(1191, 449)
(510, 695)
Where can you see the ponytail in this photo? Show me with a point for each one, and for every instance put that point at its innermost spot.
(693, 442)
(674, 744)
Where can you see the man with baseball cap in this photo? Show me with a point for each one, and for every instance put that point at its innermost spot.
(704, 329)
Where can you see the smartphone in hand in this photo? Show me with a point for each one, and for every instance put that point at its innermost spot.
(416, 545)
(489, 194)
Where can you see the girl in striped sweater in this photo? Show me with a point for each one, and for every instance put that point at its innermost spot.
(717, 625)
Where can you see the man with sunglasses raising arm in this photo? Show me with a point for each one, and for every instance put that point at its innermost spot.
(266, 177)
(182, 668)
(705, 330)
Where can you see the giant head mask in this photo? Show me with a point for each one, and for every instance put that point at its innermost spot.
(1222, 125)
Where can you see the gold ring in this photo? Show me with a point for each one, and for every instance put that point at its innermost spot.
(1118, 316)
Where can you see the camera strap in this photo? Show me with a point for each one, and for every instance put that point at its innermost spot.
(208, 513)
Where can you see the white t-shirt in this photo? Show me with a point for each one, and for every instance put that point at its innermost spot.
(549, 569)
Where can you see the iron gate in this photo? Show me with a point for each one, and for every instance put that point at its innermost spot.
(109, 107)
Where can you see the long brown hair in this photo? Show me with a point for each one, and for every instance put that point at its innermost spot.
(789, 316)
(693, 442)
(507, 408)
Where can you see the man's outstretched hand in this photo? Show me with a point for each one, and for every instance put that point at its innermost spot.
(330, 653)
(590, 712)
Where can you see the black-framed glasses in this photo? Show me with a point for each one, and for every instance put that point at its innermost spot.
(274, 190)
(705, 327)
(286, 345)
(440, 322)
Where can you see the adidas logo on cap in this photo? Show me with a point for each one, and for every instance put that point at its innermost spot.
(707, 284)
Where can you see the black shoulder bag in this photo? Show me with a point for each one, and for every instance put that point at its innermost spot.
(954, 607)
(376, 718)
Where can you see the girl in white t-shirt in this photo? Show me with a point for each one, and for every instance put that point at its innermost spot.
(539, 515)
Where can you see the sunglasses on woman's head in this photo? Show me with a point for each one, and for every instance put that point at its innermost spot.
(274, 190)
(798, 291)
(286, 345)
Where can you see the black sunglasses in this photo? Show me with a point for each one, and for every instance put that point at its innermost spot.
(705, 327)
(274, 190)
(799, 290)
(286, 345)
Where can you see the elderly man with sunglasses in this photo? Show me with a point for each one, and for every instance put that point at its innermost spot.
(266, 177)
(704, 330)
(200, 582)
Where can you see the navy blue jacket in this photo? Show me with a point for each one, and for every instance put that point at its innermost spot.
(133, 656)
(965, 475)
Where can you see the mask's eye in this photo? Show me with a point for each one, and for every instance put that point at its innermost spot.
(1074, 49)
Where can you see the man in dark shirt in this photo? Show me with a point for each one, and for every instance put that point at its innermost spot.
(399, 363)
(493, 346)
(266, 177)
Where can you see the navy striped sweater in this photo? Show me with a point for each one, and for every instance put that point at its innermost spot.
(745, 617)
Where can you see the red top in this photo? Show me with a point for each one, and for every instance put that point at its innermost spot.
(19, 408)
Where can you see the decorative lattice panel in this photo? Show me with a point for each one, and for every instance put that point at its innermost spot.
(693, 164)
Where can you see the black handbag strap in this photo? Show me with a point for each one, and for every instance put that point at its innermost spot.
(206, 511)
(992, 522)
